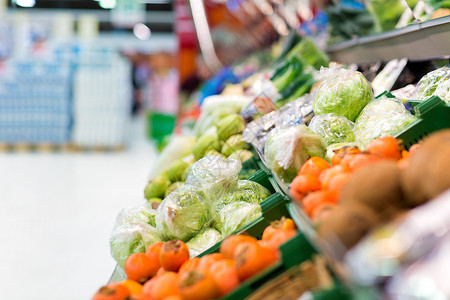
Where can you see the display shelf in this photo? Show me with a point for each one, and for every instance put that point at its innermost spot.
(417, 42)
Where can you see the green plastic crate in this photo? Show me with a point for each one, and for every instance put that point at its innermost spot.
(159, 125)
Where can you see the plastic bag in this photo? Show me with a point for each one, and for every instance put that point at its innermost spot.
(429, 83)
(213, 176)
(342, 92)
(333, 128)
(182, 214)
(443, 91)
(287, 149)
(381, 117)
(235, 216)
(133, 232)
(204, 240)
(216, 107)
(247, 191)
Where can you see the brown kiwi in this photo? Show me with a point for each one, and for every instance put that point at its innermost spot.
(378, 186)
(428, 172)
(348, 224)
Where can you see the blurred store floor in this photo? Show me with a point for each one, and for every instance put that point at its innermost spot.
(56, 213)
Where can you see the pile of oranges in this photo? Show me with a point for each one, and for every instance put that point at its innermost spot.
(165, 271)
(318, 184)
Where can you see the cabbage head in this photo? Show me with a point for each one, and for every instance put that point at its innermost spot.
(247, 191)
(333, 128)
(429, 83)
(236, 215)
(204, 240)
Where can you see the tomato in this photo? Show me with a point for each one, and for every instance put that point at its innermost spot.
(387, 147)
(314, 166)
(133, 286)
(304, 184)
(140, 267)
(252, 258)
(173, 254)
(198, 285)
(225, 275)
(208, 260)
(314, 199)
(161, 287)
(229, 244)
(113, 291)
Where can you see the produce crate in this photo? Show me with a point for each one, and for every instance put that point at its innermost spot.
(433, 114)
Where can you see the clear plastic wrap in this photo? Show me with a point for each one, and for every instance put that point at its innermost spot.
(333, 128)
(429, 83)
(133, 233)
(204, 240)
(182, 214)
(443, 91)
(343, 92)
(235, 216)
(247, 191)
(287, 149)
(381, 117)
(213, 176)
(217, 107)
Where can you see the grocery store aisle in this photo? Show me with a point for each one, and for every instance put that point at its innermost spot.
(56, 213)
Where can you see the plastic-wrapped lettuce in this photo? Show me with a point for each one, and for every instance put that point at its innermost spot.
(182, 214)
(247, 191)
(204, 240)
(381, 117)
(287, 149)
(133, 232)
(443, 91)
(343, 92)
(235, 216)
(214, 176)
(333, 128)
(429, 83)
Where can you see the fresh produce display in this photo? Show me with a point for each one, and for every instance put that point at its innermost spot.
(435, 83)
(165, 269)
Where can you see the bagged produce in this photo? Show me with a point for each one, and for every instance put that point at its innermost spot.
(236, 215)
(213, 176)
(204, 240)
(233, 144)
(133, 232)
(381, 117)
(435, 83)
(287, 149)
(182, 214)
(342, 92)
(333, 128)
(247, 191)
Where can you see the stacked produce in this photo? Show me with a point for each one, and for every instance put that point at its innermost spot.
(167, 272)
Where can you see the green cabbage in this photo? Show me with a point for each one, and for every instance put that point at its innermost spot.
(429, 83)
(342, 92)
(204, 240)
(381, 117)
(333, 128)
(235, 216)
(443, 91)
(287, 149)
(127, 239)
(247, 191)
(182, 214)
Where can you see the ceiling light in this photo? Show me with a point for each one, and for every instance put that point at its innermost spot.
(141, 31)
(25, 3)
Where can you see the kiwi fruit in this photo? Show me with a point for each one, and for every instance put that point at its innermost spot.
(347, 225)
(377, 186)
(428, 172)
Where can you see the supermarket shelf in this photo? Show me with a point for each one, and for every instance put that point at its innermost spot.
(417, 42)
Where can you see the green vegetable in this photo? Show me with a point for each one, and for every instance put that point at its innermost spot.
(182, 214)
(287, 75)
(173, 187)
(156, 187)
(308, 52)
(381, 117)
(247, 191)
(233, 144)
(242, 155)
(287, 149)
(429, 83)
(333, 128)
(214, 152)
(235, 216)
(204, 240)
(342, 92)
(177, 170)
(230, 125)
(204, 144)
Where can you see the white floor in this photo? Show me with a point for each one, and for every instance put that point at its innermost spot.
(56, 213)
